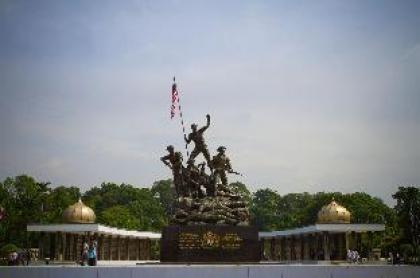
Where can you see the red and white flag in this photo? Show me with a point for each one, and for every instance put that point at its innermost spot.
(174, 99)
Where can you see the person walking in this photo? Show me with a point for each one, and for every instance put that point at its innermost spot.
(397, 258)
(13, 258)
(92, 255)
(84, 253)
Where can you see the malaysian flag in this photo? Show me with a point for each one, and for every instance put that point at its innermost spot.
(174, 99)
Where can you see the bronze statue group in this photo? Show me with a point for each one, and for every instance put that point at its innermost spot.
(204, 197)
(190, 181)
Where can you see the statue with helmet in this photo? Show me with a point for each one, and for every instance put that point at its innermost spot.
(221, 164)
(174, 161)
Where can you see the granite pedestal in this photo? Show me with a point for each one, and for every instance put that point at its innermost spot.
(210, 244)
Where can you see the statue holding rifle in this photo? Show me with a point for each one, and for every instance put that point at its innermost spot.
(221, 166)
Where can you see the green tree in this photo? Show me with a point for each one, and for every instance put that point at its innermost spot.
(241, 189)
(149, 212)
(119, 216)
(110, 194)
(22, 199)
(264, 210)
(57, 201)
(165, 192)
(367, 209)
(6, 249)
(292, 211)
(363, 207)
(408, 213)
(139, 202)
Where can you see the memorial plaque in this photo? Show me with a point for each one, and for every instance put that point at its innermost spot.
(210, 243)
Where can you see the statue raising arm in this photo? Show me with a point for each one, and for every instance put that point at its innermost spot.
(207, 125)
(196, 135)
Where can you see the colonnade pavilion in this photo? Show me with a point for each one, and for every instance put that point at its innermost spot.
(63, 242)
(328, 239)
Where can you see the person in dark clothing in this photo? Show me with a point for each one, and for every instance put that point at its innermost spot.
(92, 255)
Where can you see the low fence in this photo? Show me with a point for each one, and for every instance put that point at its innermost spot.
(214, 271)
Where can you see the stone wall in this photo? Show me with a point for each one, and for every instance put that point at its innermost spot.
(215, 271)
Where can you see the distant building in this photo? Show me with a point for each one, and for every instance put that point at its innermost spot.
(64, 242)
(328, 239)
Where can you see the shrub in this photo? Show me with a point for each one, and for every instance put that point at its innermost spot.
(8, 248)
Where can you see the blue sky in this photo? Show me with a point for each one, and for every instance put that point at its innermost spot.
(306, 95)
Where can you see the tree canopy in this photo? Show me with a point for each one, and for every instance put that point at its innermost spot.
(126, 206)
(271, 211)
(26, 200)
(408, 212)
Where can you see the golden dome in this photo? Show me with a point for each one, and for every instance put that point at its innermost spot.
(333, 213)
(79, 213)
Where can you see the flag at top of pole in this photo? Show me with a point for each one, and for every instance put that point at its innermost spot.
(175, 99)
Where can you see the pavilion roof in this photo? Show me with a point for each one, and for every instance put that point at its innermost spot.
(92, 228)
(332, 228)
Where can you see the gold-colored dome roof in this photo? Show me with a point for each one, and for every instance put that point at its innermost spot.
(79, 213)
(333, 213)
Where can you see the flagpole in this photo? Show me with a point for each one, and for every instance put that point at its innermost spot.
(178, 99)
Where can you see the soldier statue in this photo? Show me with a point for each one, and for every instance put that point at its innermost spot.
(221, 165)
(197, 137)
(192, 179)
(204, 198)
(174, 161)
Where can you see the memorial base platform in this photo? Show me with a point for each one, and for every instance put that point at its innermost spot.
(210, 244)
